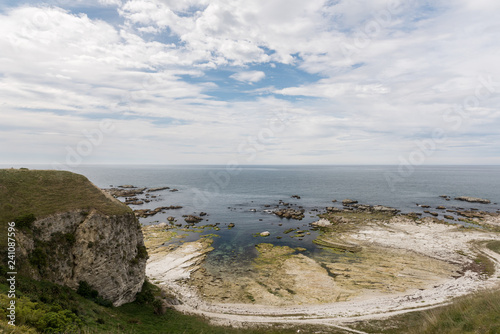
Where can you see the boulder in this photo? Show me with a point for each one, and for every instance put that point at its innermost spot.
(348, 201)
(192, 219)
(473, 199)
(265, 234)
(322, 223)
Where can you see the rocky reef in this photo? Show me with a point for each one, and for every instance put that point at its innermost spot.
(473, 199)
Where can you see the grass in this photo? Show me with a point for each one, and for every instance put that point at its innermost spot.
(494, 246)
(45, 192)
(38, 300)
(476, 313)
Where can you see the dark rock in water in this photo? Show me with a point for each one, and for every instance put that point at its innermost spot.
(116, 192)
(296, 196)
(444, 196)
(425, 206)
(435, 214)
(441, 208)
(192, 219)
(290, 213)
(151, 212)
(412, 215)
(135, 202)
(150, 190)
(127, 186)
(449, 217)
(470, 214)
(334, 201)
(348, 201)
(230, 225)
(472, 199)
(333, 210)
(174, 190)
(171, 219)
(427, 211)
(203, 214)
(381, 208)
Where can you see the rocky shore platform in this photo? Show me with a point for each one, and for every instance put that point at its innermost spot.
(370, 262)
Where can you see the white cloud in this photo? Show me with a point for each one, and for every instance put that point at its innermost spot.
(386, 81)
(249, 76)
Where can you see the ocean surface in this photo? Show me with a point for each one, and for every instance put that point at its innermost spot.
(244, 195)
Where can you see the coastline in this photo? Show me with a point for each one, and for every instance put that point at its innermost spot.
(451, 244)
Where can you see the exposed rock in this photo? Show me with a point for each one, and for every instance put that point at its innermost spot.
(333, 210)
(470, 214)
(127, 186)
(337, 244)
(441, 208)
(296, 196)
(473, 199)
(116, 192)
(230, 225)
(334, 201)
(136, 202)
(290, 213)
(265, 234)
(105, 251)
(444, 196)
(449, 217)
(381, 208)
(151, 212)
(174, 190)
(86, 234)
(348, 201)
(170, 218)
(322, 223)
(150, 190)
(192, 219)
(435, 214)
(425, 206)
(202, 214)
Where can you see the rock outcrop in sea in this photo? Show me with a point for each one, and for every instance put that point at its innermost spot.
(472, 199)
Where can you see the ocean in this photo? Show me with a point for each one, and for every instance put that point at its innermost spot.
(244, 195)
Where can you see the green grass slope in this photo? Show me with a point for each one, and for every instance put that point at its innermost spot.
(45, 192)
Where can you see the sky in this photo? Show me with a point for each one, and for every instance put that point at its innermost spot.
(233, 82)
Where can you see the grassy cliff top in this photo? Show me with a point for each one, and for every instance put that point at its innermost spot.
(45, 192)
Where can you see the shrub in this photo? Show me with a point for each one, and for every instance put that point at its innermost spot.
(86, 291)
(38, 258)
(145, 296)
(58, 322)
(25, 221)
(142, 252)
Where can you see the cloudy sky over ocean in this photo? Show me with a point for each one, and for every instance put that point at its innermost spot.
(250, 82)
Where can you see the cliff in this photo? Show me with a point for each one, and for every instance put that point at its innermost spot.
(69, 231)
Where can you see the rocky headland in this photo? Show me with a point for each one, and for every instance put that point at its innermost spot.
(69, 231)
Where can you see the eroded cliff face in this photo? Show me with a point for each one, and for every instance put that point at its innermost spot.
(105, 251)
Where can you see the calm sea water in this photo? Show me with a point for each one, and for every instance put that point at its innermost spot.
(240, 195)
